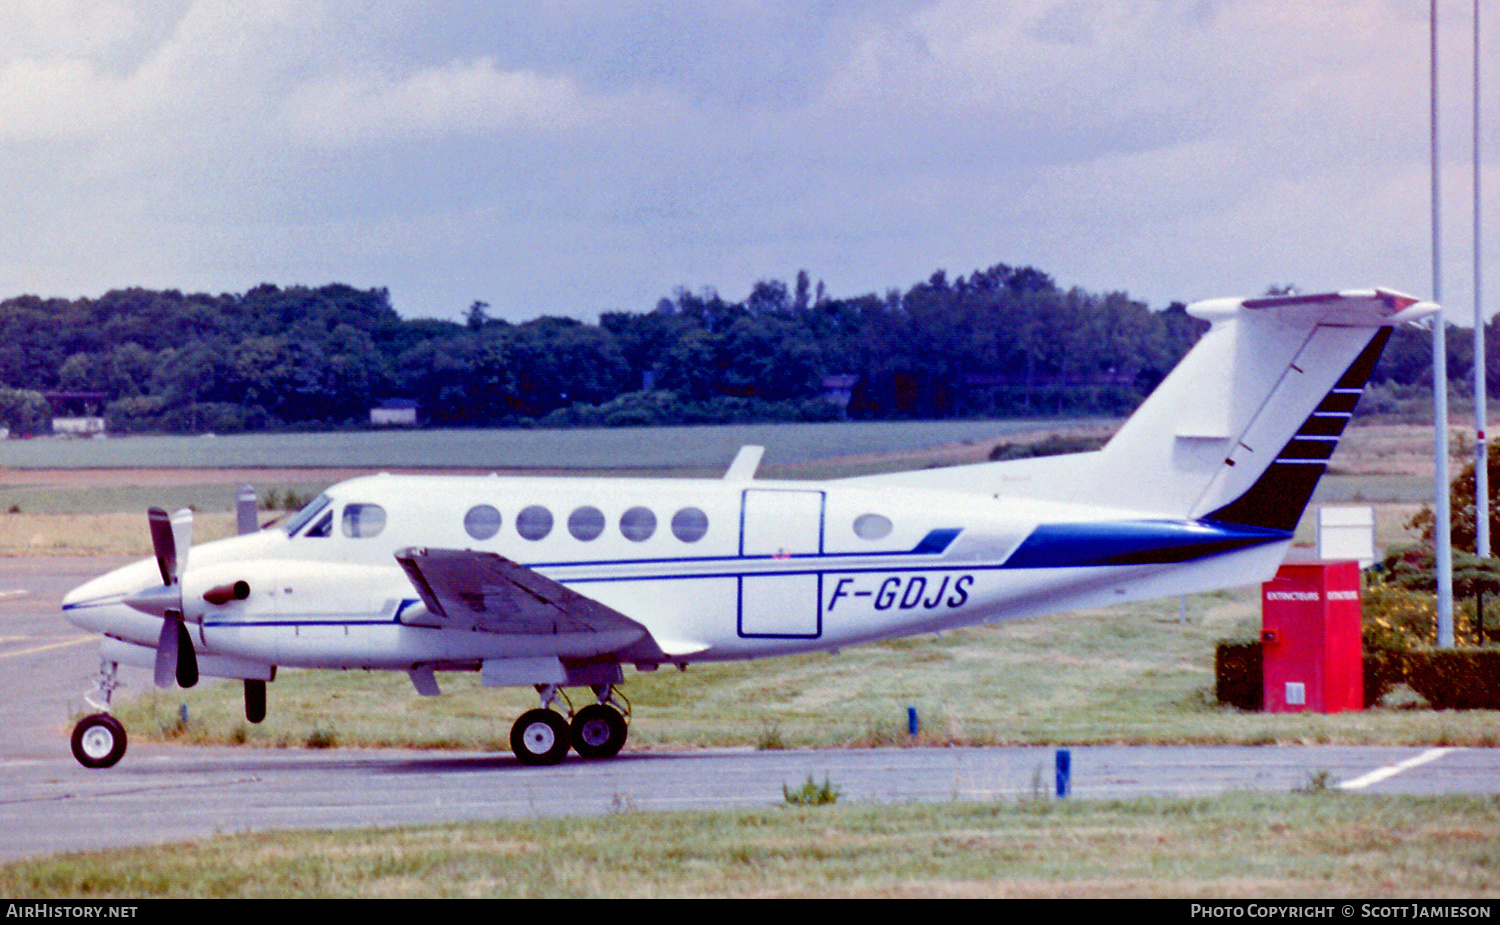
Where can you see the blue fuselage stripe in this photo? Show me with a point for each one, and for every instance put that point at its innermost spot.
(1141, 542)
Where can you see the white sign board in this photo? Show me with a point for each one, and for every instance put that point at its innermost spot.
(1347, 533)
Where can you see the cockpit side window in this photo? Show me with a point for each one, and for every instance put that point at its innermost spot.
(306, 514)
(363, 520)
(323, 528)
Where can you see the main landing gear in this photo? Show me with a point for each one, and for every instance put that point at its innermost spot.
(543, 736)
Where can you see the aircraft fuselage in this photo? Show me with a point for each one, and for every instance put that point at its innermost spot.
(713, 569)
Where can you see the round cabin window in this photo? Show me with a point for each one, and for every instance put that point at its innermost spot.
(534, 522)
(689, 524)
(586, 523)
(482, 522)
(637, 524)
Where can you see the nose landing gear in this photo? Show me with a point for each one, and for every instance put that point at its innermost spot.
(99, 739)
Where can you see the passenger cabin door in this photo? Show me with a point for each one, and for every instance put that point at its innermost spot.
(784, 530)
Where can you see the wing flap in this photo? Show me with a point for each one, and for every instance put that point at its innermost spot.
(490, 593)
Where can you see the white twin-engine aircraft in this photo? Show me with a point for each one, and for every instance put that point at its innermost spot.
(557, 582)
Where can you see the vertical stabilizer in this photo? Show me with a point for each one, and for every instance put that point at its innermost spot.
(1242, 429)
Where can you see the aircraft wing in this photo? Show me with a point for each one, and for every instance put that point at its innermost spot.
(490, 593)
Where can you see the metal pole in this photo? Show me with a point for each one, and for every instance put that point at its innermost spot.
(1441, 518)
(1481, 388)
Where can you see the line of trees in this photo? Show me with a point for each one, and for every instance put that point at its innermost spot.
(1000, 341)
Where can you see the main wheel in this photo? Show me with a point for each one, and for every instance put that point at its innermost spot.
(598, 731)
(98, 741)
(540, 737)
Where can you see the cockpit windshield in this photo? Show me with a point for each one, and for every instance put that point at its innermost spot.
(308, 513)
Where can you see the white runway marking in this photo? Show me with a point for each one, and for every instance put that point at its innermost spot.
(54, 645)
(1391, 770)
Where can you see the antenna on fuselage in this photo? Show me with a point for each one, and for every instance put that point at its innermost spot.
(746, 461)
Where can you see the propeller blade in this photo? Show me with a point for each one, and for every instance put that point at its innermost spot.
(187, 659)
(164, 544)
(166, 649)
(171, 538)
(182, 537)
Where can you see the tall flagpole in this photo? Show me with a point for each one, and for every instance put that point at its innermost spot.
(1481, 386)
(1441, 519)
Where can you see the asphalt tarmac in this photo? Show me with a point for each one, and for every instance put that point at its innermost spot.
(48, 803)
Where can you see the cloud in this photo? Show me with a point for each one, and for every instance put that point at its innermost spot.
(462, 97)
(570, 156)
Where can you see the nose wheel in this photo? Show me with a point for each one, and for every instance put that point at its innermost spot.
(99, 741)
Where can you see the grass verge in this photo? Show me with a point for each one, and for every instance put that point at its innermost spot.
(1241, 845)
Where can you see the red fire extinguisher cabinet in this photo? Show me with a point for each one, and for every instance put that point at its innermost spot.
(1310, 638)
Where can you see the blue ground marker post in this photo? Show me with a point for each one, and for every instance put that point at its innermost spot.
(911, 721)
(1064, 772)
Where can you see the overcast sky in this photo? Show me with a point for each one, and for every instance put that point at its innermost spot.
(570, 157)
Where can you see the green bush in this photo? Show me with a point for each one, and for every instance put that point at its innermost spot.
(1239, 674)
(1455, 679)
(1053, 445)
(1400, 600)
(1447, 679)
(812, 793)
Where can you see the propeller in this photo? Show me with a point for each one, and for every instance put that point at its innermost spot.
(171, 538)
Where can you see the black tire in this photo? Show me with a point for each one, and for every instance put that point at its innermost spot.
(98, 741)
(540, 737)
(598, 731)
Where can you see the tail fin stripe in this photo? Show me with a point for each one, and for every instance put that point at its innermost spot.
(1319, 448)
(1323, 427)
(1340, 401)
(1278, 497)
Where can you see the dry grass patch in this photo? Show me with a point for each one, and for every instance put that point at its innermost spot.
(110, 534)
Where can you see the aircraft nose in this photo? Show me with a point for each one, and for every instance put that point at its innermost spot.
(75, 611)
(90, 605)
